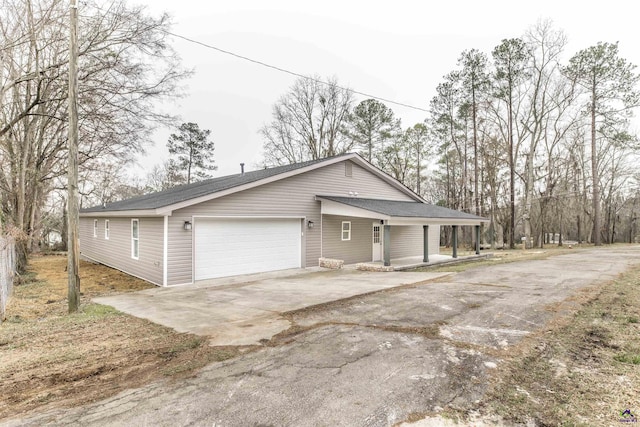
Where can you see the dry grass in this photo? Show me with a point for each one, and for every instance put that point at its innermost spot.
(50, 358)
(43, 291)
(583, 369)
(502, 257)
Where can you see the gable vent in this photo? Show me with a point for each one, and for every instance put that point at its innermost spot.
(348, 169)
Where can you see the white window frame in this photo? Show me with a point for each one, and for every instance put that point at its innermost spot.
(346, 237)
(95, 228)
(106, 229)
(135, 240)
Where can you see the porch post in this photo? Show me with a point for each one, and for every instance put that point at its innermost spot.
(477, 240)
(386, 245)
(425, 240)
(454, 238)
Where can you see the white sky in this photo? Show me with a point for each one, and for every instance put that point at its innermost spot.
(394, 49)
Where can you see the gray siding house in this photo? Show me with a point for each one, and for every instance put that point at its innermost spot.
(272, 219)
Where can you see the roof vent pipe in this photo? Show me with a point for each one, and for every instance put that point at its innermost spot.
(242, 169)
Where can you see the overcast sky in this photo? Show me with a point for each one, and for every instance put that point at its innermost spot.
(396, 50)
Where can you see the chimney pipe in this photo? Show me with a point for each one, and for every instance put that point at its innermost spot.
(242, 169)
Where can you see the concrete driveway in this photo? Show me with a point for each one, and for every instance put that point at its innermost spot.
(246, 310)
(374, 360)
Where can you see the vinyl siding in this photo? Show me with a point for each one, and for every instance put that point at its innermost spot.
(358, 249)
(406, 241)
(434, 239)
(116, 251)
(293, 196)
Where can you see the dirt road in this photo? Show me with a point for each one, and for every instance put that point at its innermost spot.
(374, 360)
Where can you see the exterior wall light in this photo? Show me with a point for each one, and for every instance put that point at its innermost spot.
(309, 224)
(188, 225)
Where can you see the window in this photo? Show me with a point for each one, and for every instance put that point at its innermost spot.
(95, 228)
(346, 230)
(135, 239)
(376, 234)
(106, 229)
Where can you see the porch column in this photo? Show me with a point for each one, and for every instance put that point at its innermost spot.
(454, 240)
(477, 240)
(386, 245)
(425, 240)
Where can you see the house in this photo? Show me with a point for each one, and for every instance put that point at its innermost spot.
(285, 217)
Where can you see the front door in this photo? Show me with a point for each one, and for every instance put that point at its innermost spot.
(377, 242)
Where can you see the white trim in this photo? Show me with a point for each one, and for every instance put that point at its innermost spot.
(137, 239)
(137, 213)
(95, 228)
(106, 229)
(329, 207)
(250, 216)
(194, 227)
(321, 236)
(435, 221)
(165, 250)
(342, 231)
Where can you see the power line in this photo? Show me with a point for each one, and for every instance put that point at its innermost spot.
(280, 69)
(293, 73)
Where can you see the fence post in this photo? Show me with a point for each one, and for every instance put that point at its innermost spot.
(7, 270)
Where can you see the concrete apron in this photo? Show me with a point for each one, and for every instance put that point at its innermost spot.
(237, 312)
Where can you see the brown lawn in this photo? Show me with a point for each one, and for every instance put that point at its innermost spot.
(50, 358)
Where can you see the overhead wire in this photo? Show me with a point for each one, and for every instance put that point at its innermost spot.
(293, 73)
(277, 68)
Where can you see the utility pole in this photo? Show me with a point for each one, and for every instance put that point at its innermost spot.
(73, 265)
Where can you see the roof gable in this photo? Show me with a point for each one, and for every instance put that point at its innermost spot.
(405, 209)
(164, 202)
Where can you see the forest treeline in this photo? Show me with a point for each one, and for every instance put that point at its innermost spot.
(540, 146)
(534, 143)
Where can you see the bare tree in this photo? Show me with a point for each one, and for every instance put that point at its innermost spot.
(510, 61)
(308, 123)
(125, 65)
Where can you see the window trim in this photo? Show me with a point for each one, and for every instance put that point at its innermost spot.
(135, 240)
(106, 229)
(95, 228)
(343, 231)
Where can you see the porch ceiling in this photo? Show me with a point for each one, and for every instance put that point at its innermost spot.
(394, 212)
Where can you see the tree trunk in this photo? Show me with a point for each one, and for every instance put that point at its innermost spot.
(594, 171)
(476, 194)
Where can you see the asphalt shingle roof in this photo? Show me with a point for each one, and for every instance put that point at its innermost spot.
(186, 192)
(403, 209)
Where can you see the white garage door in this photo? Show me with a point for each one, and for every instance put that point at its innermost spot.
(228, 247)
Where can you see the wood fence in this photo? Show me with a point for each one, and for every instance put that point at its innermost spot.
(7, 272)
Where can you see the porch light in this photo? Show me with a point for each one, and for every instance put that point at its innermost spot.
(187, 225)
(309, 224)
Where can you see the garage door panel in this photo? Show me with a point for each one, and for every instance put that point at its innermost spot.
(227, 247)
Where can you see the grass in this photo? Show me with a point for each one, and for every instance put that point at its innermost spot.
(580, 371)
(500, 257)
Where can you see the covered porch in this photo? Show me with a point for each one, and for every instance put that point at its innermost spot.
(392, 213)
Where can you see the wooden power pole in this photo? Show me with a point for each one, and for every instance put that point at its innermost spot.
(73, 265)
